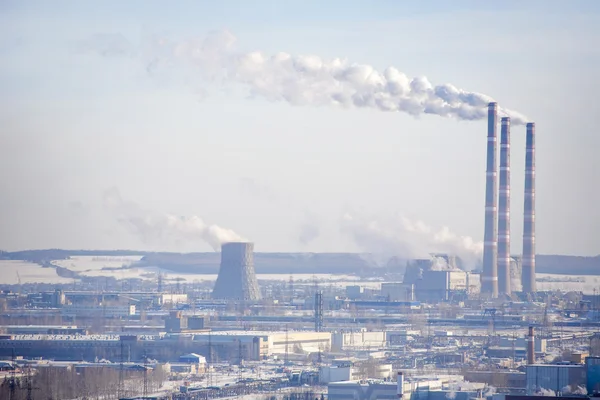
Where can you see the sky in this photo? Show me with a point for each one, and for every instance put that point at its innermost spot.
(154, 126)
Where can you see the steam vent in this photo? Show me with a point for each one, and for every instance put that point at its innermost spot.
(237, 279)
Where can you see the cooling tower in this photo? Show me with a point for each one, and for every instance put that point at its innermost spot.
(489, 278)
(237, 279)
(528, 261)
(504, 259)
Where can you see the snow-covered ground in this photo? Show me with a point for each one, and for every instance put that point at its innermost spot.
(120, 267)
(10, 271)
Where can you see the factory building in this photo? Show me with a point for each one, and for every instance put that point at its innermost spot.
(398, 291)
(256, 345)
(96, 311)
(154, 298)
(592, 367)
(412, 388)
(43, 330)
(544, 377)
(437, 286)
(359, 339)
(508, 347)
(176, 322)
(354, 292)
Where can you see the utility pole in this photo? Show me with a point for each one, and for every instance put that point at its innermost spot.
(210, 359)
(120, 387)
(240, 373)
(285, 359)
(318, 311)
(145, 375)
(13, 379)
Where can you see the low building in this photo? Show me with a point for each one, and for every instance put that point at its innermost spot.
(398, 291)
(498, 378)
(592, 367)
(554, 377)
(96, 311)
(257, 345)
(43, 330)
(360, 338)
(420, 388)
(354, 292)
(335, 374)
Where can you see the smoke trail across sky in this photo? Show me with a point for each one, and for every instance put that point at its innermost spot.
(301, 79)
(406, 238)
(157, 228)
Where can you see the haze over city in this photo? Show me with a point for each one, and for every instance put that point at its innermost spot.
(136, 102)
(299, 200)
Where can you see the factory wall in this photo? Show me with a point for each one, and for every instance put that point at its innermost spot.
(299, 341)
(383, 390)
(173, 298)
(397, 291)
(592, 366)
(361, 339)
(354, 292)
(553, 377)
(438, 285)
(335, 374)
(95, 311)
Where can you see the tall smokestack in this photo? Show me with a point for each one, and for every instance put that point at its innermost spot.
(504, 259)
(528, 262)
(400, 385)
(489, 278)
(530, 347)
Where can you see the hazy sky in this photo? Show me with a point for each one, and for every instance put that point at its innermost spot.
(90, 105)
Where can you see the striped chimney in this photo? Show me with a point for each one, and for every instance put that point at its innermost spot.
(528, 262)
(504, 210)
(489, 278)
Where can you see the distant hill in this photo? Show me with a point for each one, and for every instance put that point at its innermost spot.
(569, 265)
(286, 263)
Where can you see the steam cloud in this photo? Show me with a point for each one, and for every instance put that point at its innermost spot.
(157, 228)
(409, 239)
(302, 79)
(545, 392)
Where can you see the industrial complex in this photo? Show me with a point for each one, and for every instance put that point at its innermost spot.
(427, 329)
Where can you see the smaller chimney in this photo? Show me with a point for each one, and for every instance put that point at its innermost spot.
(400, 385)
(530, 347)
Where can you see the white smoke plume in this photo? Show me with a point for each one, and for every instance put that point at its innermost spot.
(156, 228)
(304, 79)
(440, 264)
(574, 389)
(489, 391)
(405, 238)
(451, 395)
(545, 392)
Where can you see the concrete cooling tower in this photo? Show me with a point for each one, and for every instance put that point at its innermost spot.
(237, 279)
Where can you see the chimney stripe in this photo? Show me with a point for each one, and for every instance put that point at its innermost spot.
(489, 279)
(504, 210)
(528, 263)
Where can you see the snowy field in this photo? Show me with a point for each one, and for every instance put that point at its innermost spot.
(10, 271)
(589, 284)
(90, 264)
(119, 268)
